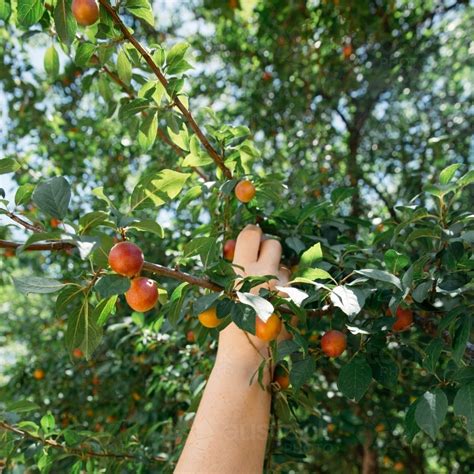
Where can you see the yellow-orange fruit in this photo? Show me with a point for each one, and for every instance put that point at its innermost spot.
(331, 427)
(403, 320)
(86, 12)
(54, 222)
(244, 191)
(281, 377)
(209, 318)
(333, 343)
(398, 466)
(39, 374)
(229, 249)
(380, 428)
(126, 259)
(268, 331)
(142, 294)
(347, 51)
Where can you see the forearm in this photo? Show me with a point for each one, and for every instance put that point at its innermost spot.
(230, 430)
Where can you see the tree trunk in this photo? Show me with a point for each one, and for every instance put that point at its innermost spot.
(369, 456)
(354, 171)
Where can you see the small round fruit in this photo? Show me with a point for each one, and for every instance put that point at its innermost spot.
(268, 331)
(281, 377)
(403, 320)
(126, 259)
(77, 353)
(190, 337)
(142, 294)
(209, 318)
(331, 427)
(380, 428)
(398, 466)
(229, 249)
(39, 374)
(267, 76)
(244, 191)
(54, 222)
(333, 343)
(86, 12)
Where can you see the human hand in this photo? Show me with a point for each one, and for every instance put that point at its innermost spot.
(254, 256)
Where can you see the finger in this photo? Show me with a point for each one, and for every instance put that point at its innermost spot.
(270, 253)
(247, 245)
(284, 275)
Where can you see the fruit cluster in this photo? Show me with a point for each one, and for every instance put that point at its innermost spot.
(127, 259)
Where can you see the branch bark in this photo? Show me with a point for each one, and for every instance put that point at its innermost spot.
(218, 159)
(76, 451)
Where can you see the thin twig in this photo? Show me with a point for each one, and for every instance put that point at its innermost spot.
(22, 222)
(75, 451)
(218, 160)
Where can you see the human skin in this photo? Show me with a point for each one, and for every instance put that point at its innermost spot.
(230, 430)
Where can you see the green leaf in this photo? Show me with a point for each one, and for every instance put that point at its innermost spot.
(29, 11)
(349, 300)
(53, 196)
(380, 275)
(47, 422)
(9, 165)
(205, 247)
(157, 189)
(93, 219)
(84, 53)
(411, 427)
(354, 378)
(244, 317)
(314, 274)
(395, 261)
(176, 54)
(177, 299)
(464, 405)
(104, 309)
(64, 22)
(110, 285)
(433, 351)
(431, 411)
(5, 10)
(466, 179)
(461, 339)
(23, 193)
(448, 173)
(263, 308)
(147, 131)
(37, 285)
(51, 62)
(82, 330)
(385, 372)
(21, 406)
(133, 107)
(148, 225)
(124, 67)
(341, 194)
(141, 9)
(301, 372)
(311, 256)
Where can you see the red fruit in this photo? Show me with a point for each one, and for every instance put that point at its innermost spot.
(229, 249)
(54, 222)
(86, 12)
(126, 259)
(347, 51)
(190, 337)
(268, 331)
(282, 377)
(333, 343)
(77, 353)
(404, 319)
(142, 294)
(244, 191)
(266, 76)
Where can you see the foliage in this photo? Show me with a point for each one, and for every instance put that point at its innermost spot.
(339, 115)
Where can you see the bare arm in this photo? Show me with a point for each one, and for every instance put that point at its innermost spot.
(230, 430)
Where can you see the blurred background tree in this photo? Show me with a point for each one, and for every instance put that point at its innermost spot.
(375, 95)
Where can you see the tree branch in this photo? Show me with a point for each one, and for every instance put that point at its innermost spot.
(22, 222)
(218, 160)
(77, 451)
